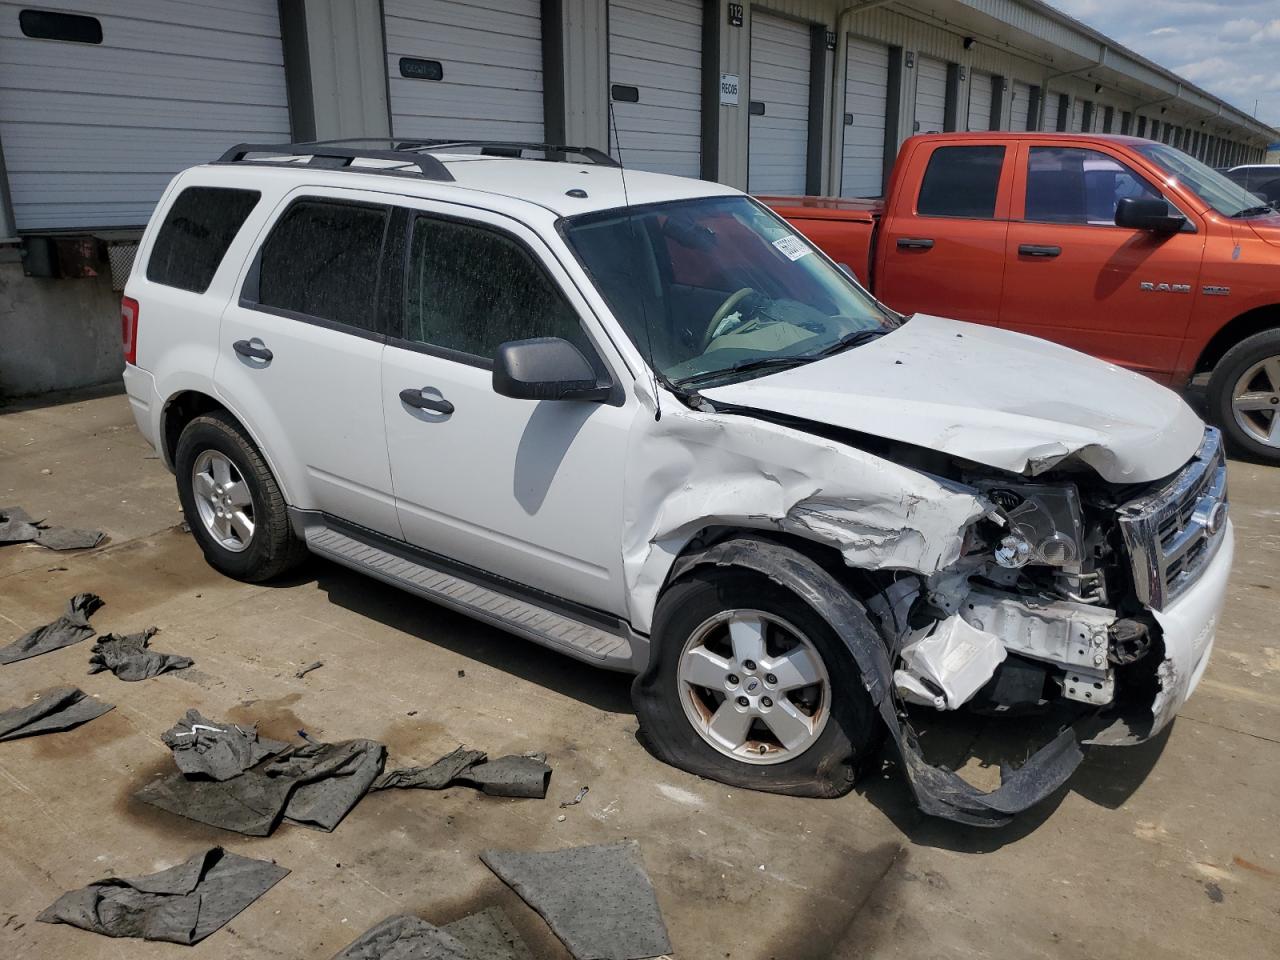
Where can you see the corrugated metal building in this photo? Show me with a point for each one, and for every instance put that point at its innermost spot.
(100, 104)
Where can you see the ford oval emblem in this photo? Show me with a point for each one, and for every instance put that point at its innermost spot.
(1217, 518)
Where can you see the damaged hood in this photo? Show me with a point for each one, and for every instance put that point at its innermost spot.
(999, 398)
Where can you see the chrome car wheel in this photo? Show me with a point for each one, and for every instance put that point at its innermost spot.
(754, 687)
(223, 500)
(1255, 401)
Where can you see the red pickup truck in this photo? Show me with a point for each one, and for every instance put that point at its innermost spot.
(1117, 246)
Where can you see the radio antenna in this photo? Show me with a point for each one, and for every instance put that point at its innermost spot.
(631, 230)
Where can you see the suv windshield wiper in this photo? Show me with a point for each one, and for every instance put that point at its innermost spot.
(1253, 211)
(848, 342)
(745, 366)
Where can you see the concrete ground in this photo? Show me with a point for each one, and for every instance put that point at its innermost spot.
(1171, 849)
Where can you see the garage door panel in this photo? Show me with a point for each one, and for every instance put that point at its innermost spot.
(777, 141)
(981, 90)
(1021, 106)
(866, 93)
(931, 95)
(54, 85)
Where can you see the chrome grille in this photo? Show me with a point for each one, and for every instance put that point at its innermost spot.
(1173, 533)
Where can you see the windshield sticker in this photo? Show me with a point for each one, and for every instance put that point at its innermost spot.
(792, 248)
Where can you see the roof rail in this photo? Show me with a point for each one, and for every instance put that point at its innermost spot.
(332, 155)
(512, 148)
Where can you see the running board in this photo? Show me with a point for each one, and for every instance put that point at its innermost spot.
(519, 616)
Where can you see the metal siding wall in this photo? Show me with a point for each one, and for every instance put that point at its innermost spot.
(586, 72)
(348, 64)
(93, 132)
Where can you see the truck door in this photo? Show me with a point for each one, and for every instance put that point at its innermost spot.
(941, 249)
(1074, 277)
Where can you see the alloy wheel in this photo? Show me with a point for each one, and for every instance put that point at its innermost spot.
(1255, 401)
(223, 500)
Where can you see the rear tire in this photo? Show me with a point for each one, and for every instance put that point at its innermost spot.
(238, 515)
(1244, 396)
(692, 624)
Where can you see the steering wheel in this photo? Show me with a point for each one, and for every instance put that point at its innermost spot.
(723, 311)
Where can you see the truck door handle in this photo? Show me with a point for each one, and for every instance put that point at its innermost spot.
(414, 398)
(1036, 250)
(915, 243)
(254, 349)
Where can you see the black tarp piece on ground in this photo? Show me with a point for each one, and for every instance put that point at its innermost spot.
(487, 935)
(128, 657)
(513, 776)
(183, 904)
(18, 526)
(71, 627)
(315, 785)
(205, 749)
(597, 899)
(58, 709)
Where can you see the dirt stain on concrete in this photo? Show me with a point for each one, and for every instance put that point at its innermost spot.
(88, 738)
(169, 825)
(275, 718)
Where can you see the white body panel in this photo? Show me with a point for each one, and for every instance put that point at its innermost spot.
(777, 142)
(980, 93)
(931, 95)
(656, 46)
(866, 91)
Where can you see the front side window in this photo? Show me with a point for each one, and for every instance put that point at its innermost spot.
(470, 289)
(1072, 185)
(961, 182)
(195, 235)
(321, 261)
(1227, 198)
(717, 288)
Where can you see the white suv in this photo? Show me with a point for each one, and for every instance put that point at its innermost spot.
(642, 421)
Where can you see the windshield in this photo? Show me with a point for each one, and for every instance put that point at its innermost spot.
(1229, 199)
(718, 288)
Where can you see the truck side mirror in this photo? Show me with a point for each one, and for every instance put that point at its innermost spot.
(545, 368)
(1146, 214)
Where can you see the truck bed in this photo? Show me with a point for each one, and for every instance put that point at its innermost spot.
(841, 226)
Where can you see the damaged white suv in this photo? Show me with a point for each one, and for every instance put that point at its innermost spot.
(642, 421)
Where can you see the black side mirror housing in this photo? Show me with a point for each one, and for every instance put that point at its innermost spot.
(545, 368)
(1145, 214)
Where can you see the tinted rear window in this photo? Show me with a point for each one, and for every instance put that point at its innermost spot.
(321, 260)
(961, 182)
(195, 235)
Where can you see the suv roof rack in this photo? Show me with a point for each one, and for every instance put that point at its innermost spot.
(512, 148)
(333, 155)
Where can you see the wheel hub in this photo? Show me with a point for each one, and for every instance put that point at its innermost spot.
(1255, 402)
(223, 501)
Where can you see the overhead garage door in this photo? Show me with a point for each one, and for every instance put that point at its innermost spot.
(1051, 105)
(1019, 111)
(931, 95)
(778, 137)
(186, 82)
(465, 70)
(1076, 124)
(655, 77)
(980, 93)
(866, 93)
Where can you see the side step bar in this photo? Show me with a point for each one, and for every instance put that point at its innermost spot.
(516, 615)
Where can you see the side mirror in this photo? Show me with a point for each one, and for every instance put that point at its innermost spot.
(545, 368)
(1153, 215)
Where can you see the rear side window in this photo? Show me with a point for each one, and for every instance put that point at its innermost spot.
(195, 235)
(321, 260)
(961, 182)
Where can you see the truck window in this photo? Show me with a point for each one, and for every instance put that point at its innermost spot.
(195, 235)
(961, 182)
(321, 261)
(1074, 185)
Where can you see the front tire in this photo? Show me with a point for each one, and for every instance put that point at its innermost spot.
(1244, 396)
(750, 686)
(232, 503)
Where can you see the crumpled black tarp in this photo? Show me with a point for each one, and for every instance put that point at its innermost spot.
(71, 627)
(513, 776)
(597, 899)
(183, 904)
(60, 708)
(18, 526)
(206, 749)
(487, 935)
(128, 658)
(315, 785)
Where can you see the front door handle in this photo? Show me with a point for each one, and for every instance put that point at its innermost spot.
(1037, 250)
(414, 398)
(915, 243)
(254, 349)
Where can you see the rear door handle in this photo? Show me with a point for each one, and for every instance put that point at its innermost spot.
(915, 243)
(254, 349)
(414, 398)
(1037, 250)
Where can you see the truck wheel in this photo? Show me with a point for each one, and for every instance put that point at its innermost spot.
(1244, 395)
(749, 686)
(232, 503)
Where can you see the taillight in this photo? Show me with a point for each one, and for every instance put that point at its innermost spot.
(129, 328)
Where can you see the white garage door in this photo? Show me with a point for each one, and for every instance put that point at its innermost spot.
(931, 95)
(489, 64)
(980, 93)
(1077, 116)
(778, 139)
(1020, 110)
(1051, 105)
(866, 94)
(655, 76)
(93, 131)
